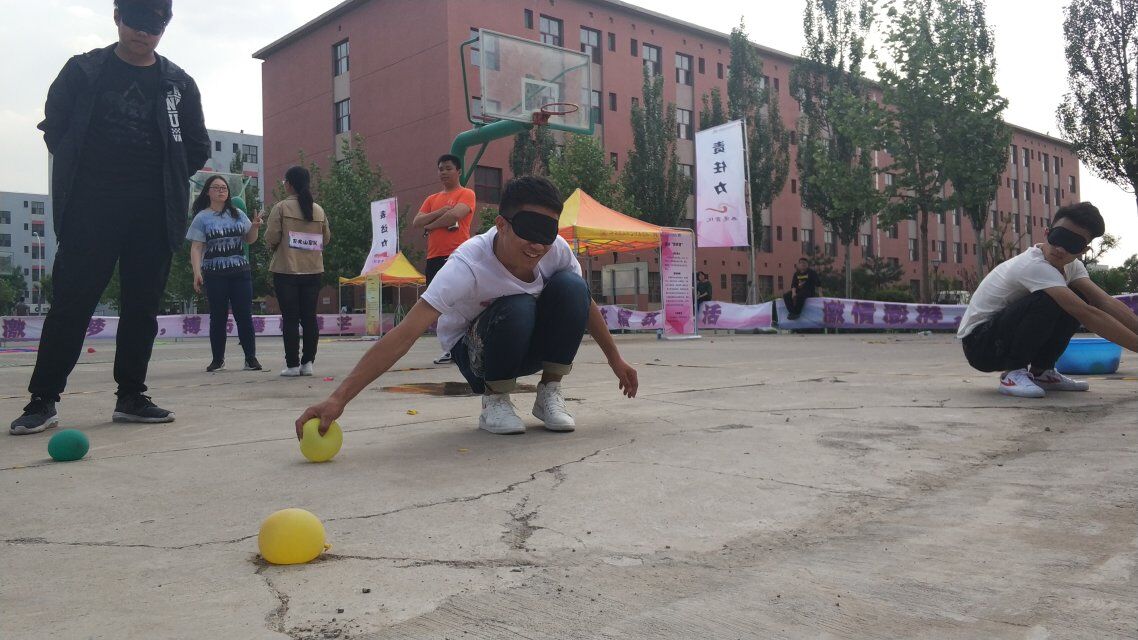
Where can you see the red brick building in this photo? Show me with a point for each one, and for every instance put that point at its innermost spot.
(389, 70)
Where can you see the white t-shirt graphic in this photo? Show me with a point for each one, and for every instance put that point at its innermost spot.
(1011, 280)
(473, 278)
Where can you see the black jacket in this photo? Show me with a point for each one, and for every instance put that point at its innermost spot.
(181, 125)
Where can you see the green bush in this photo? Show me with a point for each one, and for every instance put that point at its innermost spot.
(894, 295)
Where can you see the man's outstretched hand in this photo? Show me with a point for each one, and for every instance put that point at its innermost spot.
(626, 375)
(327, 411)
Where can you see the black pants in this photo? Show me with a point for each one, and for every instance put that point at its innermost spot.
(795, 303)
(225, 291)
(1032, 331)
(96, 236)
(433, 266)
(296, 295)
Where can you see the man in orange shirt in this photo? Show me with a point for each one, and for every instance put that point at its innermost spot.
(445, 219)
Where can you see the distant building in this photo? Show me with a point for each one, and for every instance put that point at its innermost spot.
(227, 144)
(27, 240)
(389, 70)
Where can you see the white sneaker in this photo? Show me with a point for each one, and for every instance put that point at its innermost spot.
(290, 372)
(1052, 380)
(306, 369)
(445, 358)
(1020, 383)
(549, 407)
(498, 415)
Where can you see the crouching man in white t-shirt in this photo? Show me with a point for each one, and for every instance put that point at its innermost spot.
(1025, 311)
(509, 302)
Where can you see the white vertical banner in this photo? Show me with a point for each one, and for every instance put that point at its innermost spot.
(384, 233)
(721, 187)
(677, 262)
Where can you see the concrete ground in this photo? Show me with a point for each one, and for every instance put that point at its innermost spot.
(854, 486)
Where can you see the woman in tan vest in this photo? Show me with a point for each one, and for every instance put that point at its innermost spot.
(297, 234)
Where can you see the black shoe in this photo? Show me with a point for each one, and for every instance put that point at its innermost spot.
(216, 365)
(39, 414)
(136, 407)
(251, 364)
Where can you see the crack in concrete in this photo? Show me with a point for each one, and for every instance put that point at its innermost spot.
(519, 529)
(412, 563)
(275, 619)
(121, 545)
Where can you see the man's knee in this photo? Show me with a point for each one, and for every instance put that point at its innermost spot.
(567, 286)
(510, 313)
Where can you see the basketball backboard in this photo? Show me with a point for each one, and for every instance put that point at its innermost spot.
(521, 78)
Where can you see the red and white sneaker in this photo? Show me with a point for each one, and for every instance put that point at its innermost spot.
(1052, 380)
(1021, 384)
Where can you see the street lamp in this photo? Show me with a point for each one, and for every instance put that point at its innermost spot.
(35, 252)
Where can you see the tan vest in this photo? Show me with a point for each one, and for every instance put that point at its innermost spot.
(292, 239)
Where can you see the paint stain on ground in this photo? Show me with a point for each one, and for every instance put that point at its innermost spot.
(446, 388)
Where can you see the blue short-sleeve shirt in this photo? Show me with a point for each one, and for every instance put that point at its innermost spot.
(224, 239)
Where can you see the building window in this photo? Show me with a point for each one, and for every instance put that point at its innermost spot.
(37, 208)
(249, 153)
(1056, 196)
(1071, 184)
(723, 281)
(597, 112)
(653, 286)
(236, 148)
(635, 102)
(778, 233)
(5, 217)
(765, 244)
(1012, 156)
(956, 216)
(612, 41)
(217, 145)
(612, 101)
(739, 288)
(476, 107)
(775, 80)
(1055, 165)
(719, 70)
(914, 251)
(1026, 191)
(634, 47)
(550, 31)
(1026, 158)
(1046, 195)
(807, 241)
(528, 18)
(652, 59)
(828, 242)
(780, 283)
(867, 244)
(702, 66)
(37, 229)
(688, 171)
(794, 234)
(591, 43)
(488, 184)
(683, 124)
(793, 185)
(343, 114)
(1015, 223)
(683, 69)
(5, 239)
(793, 137)
(941, 251)
(613, 160)
(340, 58)
(893, 231)
(1015, 189)
(475, 51)
(1046, 163)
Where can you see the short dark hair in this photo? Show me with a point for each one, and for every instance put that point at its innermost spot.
(806, 260)
(451, 158)
(525, 190)
(1084, 214)
(164, 7)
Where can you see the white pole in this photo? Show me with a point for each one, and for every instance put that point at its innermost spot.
(752, 297)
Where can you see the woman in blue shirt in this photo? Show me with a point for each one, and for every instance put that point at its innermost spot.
(219, 233)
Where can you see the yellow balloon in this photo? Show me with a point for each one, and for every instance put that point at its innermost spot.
(291, 536)
(321, 448)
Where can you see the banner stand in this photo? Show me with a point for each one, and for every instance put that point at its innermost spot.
(677, 283)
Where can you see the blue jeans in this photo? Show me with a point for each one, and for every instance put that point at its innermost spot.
(223, 291)
(521, 335)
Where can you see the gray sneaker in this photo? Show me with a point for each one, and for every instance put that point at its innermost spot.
(39, 415)
(136, 407)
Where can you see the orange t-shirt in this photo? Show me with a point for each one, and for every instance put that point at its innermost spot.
(443, 242)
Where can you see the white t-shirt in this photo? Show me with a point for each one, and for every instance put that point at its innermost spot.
(1011, 280)
(473, 278)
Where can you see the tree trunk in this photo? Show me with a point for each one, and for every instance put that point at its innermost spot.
(981, 262)
(849, 273)
(923, 244)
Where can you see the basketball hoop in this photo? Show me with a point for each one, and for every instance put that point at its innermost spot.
(542, 116)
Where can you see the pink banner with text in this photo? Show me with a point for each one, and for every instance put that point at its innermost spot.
(186, 326)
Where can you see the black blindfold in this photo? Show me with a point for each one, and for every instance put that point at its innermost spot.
(1067, 239)
(534, 227)
(143, 18)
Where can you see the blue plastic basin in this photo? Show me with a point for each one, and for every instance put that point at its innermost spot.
(1090, 355)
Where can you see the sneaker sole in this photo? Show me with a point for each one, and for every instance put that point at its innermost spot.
(1060, 388)
(560, 428)
(50, 423)
(1007, 392)
(291, 375)
(498, 431)
(119, 416)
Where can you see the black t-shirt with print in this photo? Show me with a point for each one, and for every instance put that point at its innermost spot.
(805, 284)
(122, 155)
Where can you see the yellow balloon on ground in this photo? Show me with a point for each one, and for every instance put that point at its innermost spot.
(321, 448)
(291, 536)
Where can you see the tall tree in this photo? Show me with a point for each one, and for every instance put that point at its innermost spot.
(713, 113)
(840, 123)
(346, 193)
(914, 79)
(651, 175)
(1098, 113)
(750, 98)
(582, 165)
(976, 138)
(259, 254)
(532, 152)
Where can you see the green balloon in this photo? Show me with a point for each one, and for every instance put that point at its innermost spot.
(68, 445)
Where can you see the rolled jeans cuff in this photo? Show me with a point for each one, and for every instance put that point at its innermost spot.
(556, 368)
(502, 386)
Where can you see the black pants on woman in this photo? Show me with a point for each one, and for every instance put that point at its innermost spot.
(224, 291)
(296, 295)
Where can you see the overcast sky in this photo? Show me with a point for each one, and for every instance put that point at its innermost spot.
(214, 42)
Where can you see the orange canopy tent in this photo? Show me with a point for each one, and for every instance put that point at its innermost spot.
(592, 228)
(395, 271)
